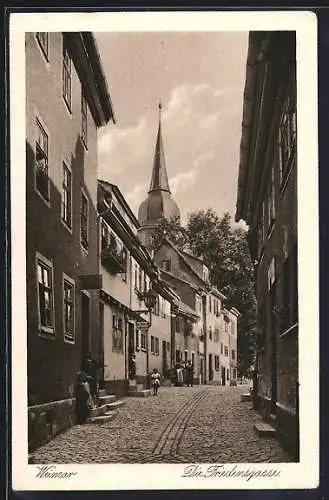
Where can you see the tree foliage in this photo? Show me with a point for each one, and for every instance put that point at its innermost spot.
(225, 251)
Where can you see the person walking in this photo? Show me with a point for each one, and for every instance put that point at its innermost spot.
(155, 379)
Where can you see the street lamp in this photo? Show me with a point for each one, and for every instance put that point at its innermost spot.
(150, 298)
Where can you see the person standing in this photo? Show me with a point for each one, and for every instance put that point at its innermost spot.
(83, 399)
(189, 374)
(90, 367)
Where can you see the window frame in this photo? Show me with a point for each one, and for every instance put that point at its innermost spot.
(43, 330)
(66, 73)
(67, 279)
(66, 168)
(226, 351)
(39, 125)
(44, 50)
(115, 330)
(84, 118)
(288, 129)
(86, 245)
(157, 346)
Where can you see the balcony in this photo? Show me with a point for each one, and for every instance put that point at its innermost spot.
(113, 259)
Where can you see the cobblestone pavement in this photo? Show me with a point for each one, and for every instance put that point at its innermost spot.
(203, 424)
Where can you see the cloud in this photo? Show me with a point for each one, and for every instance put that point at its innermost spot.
(200, 128)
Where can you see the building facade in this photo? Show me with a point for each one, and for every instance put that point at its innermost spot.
(130, 351)
(267, 201)
(67, 100)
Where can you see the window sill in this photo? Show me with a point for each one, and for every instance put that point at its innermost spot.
(68, 340)
(85, 250)
(289, 330)
(143, 349)
(117, 350)
(47, 333)
(287, 175)
(47, 202)
(67, 106)
(67, 227)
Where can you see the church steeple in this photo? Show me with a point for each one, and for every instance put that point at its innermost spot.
(159, 179)
(159, 204)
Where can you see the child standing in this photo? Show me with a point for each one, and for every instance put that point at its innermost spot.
(155, 378)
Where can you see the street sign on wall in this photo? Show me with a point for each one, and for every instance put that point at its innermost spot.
(142, 325)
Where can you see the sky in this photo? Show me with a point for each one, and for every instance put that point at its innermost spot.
(199, 78)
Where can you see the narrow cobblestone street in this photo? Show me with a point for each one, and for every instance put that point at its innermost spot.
(203, 424)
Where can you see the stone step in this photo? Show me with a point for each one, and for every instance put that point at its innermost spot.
(102, 419)
(246, 397)
(264, 429)
(98, 410)
(272, 420)
(135, 387)
(108, 398)
(115, 404)
(139, 394)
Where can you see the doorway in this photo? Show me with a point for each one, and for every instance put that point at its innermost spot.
(274, 381)
(211, 373)
(223, 375)
(131, 352)
(164, 358)
(101, 345)
(201, 371)
(85, 324)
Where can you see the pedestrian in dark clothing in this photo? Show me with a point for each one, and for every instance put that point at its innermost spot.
(90, 367)
(83, 399)
(189, 374)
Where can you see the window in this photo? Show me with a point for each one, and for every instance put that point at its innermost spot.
(163, 307)
(216, 335)
(84, 118)
(234, 373)
(192, 358)
(227, 374)
(45, 295)
(168, 346)
(166, 265)
(289, 287)
(41, 163)
(185, 356)
(209, 304)
(152, 345)
(143, 341)
(178, 325)
(43, 40)
(226, 351)
(271, 198)
(156, 309)
(136, 276)
(68, 313)
(157, 347)
(137, 340)
(67, 196)
(84, 221)
(140, 280)
(124, 258)
(221, 347)
(288, 130)
(117, 334)
(226, 323)
(217, 363)
(210, 333)
(233, 354)
(67, 76)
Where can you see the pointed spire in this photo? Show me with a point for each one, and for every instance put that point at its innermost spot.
(159, 180)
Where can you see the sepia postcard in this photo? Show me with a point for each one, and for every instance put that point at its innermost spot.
(164, 194)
